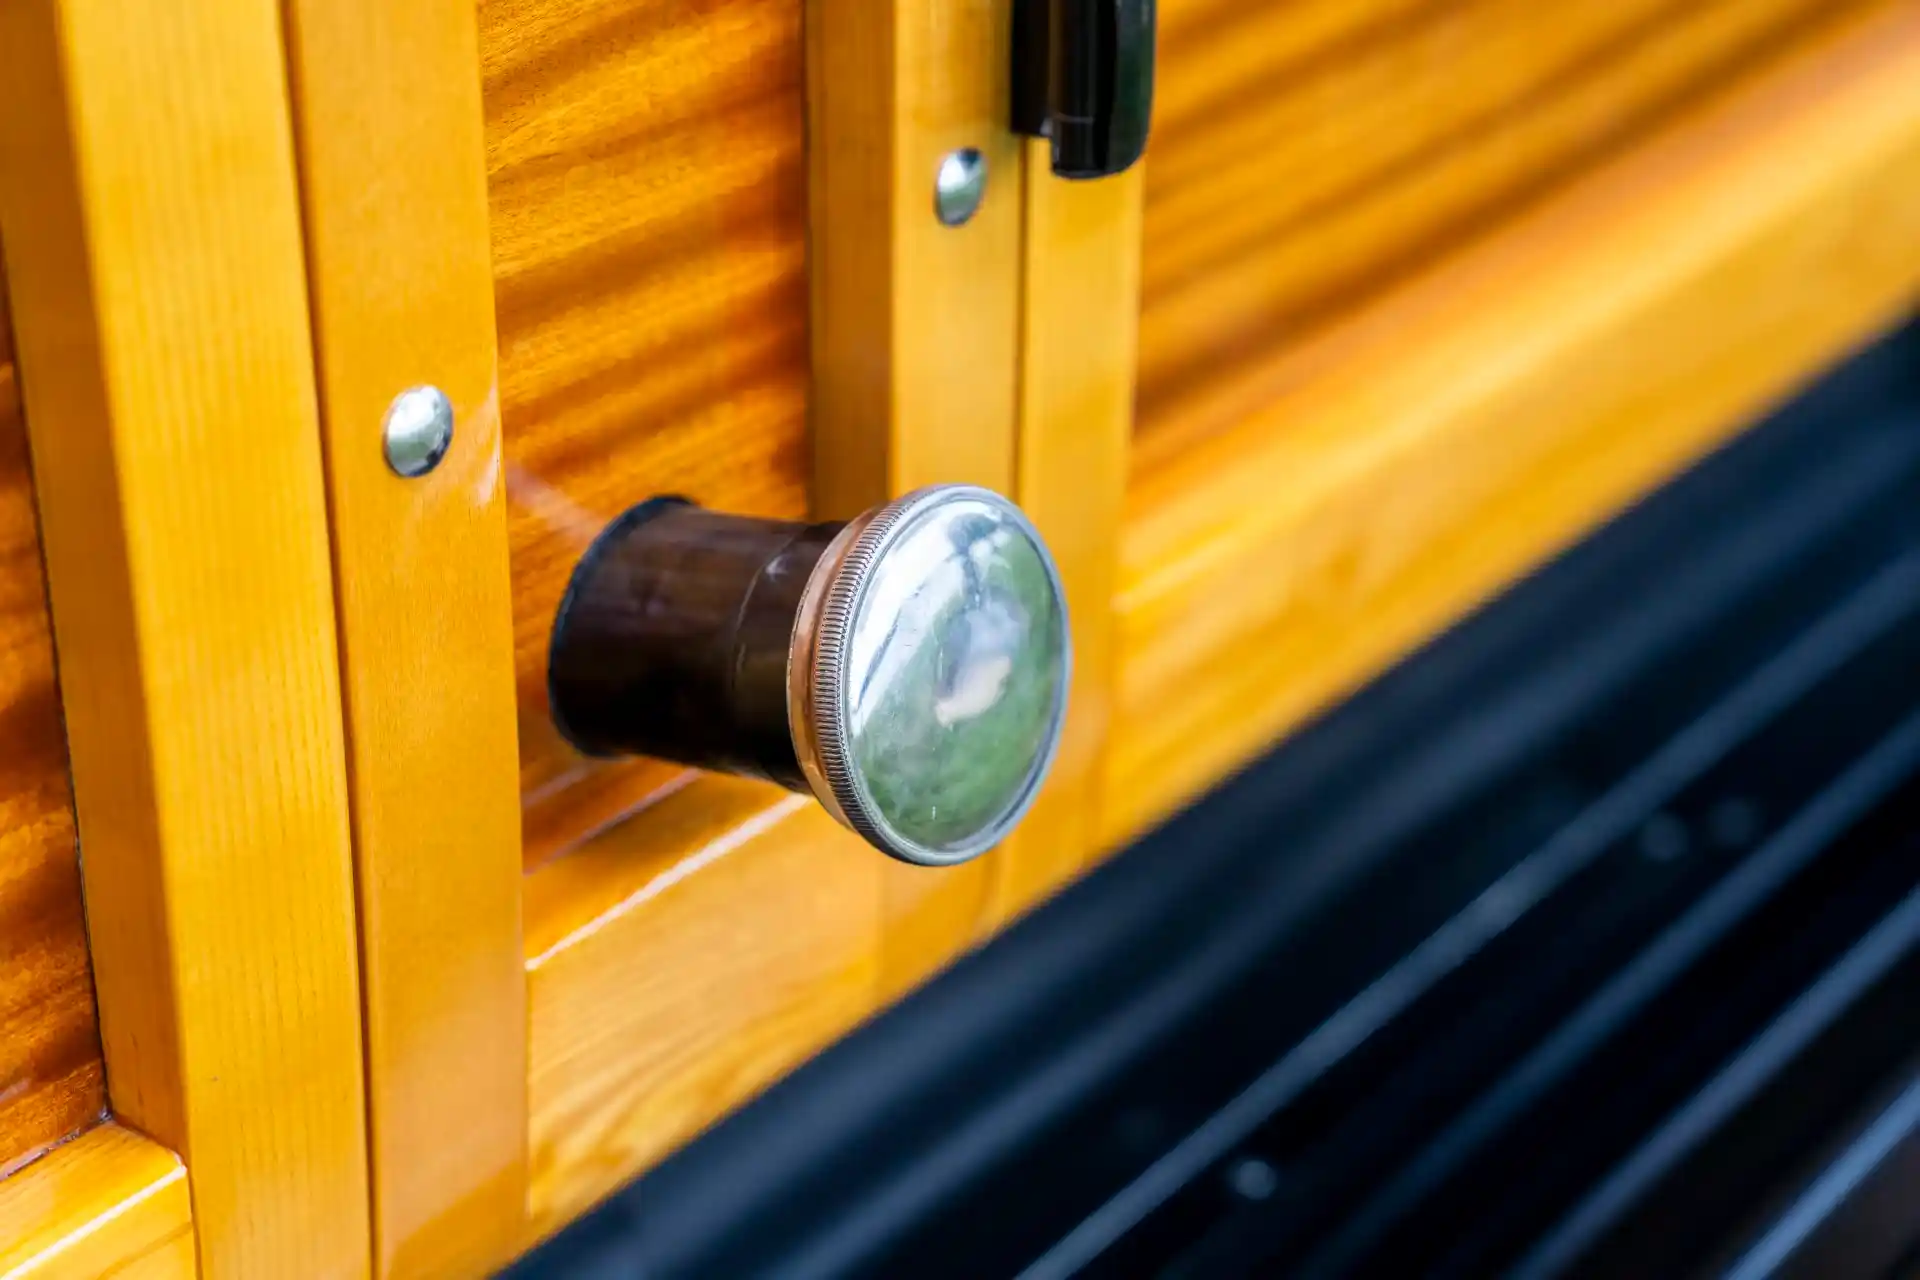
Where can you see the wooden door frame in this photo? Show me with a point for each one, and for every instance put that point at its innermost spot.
(386, 113)
(309, 265)
(348, 205)
(149, 207)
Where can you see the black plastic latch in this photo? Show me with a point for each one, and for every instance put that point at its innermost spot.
(1083, 77)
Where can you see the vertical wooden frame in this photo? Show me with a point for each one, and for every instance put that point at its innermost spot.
(148, 203)
(999, 352)
(1079, 315)
(387, 113)
(914, 324)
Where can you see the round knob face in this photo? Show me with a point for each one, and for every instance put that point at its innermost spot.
(938, 674)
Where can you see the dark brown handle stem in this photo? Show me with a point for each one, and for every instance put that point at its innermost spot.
(674, 636)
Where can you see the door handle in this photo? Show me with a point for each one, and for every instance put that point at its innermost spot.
(908, 667)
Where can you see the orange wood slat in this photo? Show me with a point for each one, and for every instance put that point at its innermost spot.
(1384, 476)
(386, 99)
(51, 1080)
(648, 198)
(1301, 167)
(149, 208)
(1081, 298)
(677, 966)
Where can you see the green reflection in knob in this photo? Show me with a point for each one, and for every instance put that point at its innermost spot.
(951, 654)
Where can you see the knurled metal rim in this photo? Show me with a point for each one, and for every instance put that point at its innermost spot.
(845, 594)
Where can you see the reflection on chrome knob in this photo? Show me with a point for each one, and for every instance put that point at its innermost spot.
(908, 668)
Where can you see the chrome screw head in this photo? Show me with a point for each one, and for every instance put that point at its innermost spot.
(417, 430)
(959, 185)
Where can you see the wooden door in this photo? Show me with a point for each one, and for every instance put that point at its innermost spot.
(638, 248)
(1419, 291)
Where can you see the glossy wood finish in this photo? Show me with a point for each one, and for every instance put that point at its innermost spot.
(386, 107)
(681, 960)
(1431, 394)
(108, 1203)
(1306, 157)
(915, 325)
(51, 1082)
(1357, 488)
(1391, 472)
(648, 202)
(1080, 301)
(150, 214)
(680, 964)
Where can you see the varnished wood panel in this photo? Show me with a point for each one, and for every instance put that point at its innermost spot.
(650, 228)
(149, 203)
(386, 96)
(1391, 472)
(1080, 302)
(679, 964)
(50, 1076)
(648, 195)
(1306, 157)
(109, 1203)
(915, 325)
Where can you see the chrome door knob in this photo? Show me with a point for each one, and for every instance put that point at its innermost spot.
(908, 668)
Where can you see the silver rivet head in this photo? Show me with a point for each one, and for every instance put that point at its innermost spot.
(417, 430)
(959, 185)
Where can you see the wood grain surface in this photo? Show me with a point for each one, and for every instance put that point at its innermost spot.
(1386, 475)
(386, 97)
(682, 960)
(915, 325)
(1308, 156)
(678, 965)
(149, 202)
(51, 1083)
(648, 194)
(109, 1203)
(1080, 303)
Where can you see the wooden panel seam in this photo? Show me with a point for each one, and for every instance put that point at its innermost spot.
(914, 337)
(387, 111)
(1080, 304)
(147, 197)
(52, 1081)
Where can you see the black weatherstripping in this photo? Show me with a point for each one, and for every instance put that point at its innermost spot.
(1513, 961)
